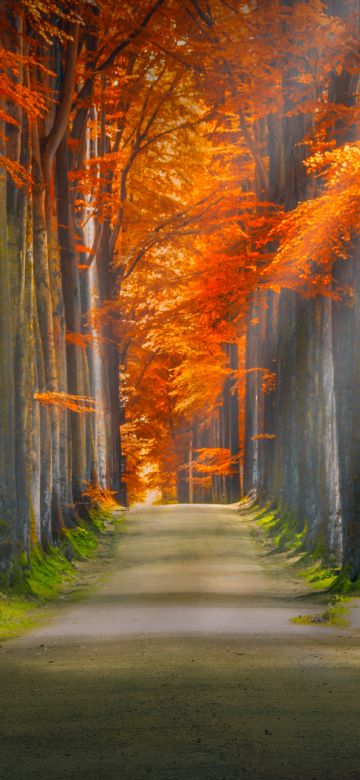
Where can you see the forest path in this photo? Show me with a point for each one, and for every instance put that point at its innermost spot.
(183, 664)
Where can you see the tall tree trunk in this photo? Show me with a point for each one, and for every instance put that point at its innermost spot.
(111, 369)
(51, 459)
(73, 316)
(8, 508)
(28, 530)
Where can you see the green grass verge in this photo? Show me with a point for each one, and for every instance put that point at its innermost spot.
(335, 614)
(334, 585)
(16, 615)
(312, 569)
(283, 531)
(282, 528)
(41, 580)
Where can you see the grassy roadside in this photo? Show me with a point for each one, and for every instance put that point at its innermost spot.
(56, 573)
(334, 589)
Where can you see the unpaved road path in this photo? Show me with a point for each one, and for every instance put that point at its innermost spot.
(183, 665)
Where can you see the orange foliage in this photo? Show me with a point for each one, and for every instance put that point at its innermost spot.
(100, 496)
(268, 383)
(179, 183)
(320, 230)
(74, 403)
(199, 233)
(82, 340)
(214, 461)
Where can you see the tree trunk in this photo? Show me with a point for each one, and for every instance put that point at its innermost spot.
(8, 508)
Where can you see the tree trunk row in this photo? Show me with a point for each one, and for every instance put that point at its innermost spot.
(54, 455)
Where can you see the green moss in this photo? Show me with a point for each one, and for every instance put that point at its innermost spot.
(344, 585)
(311, 566)
(40, 580)
(16, 615)
(44, 576)
(283, 528)
(336, 614)
(313, 570)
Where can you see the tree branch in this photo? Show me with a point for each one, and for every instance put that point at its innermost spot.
(134, 34)
(118, 49)
(185, 125)
(178, 224)
(205, 16)
(57, 132)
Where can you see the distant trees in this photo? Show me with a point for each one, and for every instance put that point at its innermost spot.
(282, 138)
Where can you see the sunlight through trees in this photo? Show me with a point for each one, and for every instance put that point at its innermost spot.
(179, 296)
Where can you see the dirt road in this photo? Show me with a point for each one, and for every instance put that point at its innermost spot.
(183, 665)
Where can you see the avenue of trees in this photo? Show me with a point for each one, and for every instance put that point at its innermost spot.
(180, 280)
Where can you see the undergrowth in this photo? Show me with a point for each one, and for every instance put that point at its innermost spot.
(37, 582)
(311, 566)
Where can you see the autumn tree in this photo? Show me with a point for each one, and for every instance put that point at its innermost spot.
(179, 275)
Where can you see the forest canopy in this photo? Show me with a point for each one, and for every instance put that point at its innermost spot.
(179, 276)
